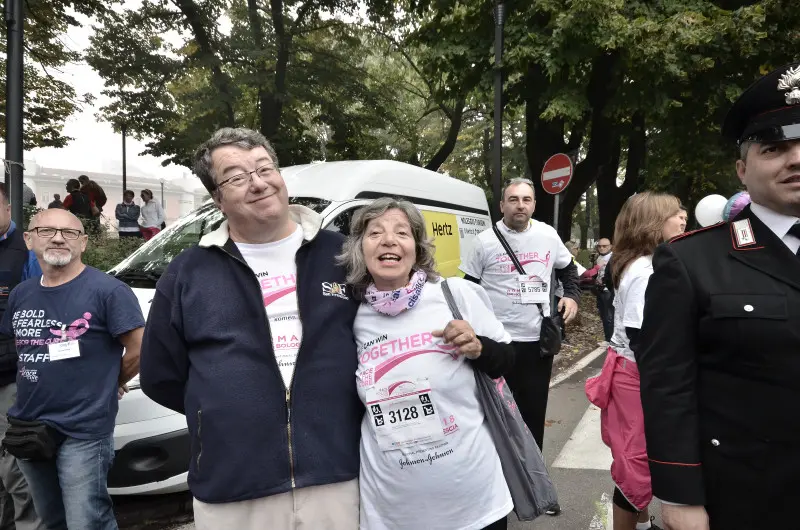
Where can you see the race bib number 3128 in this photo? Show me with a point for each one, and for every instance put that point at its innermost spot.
(403, 414)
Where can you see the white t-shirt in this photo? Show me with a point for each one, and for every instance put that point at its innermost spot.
(456, 482)
(538, 249)
(274, 266)
(629, 303)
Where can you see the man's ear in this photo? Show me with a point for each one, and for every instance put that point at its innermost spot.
(741, 167)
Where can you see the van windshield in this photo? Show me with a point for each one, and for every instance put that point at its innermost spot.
(144, 267)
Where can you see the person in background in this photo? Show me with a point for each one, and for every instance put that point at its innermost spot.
(28, 197)
(540, 252)
(95, 192)
(275, 426)
(720, 339)
(77, 202)
(645, 221)
(152, 215)
(390, 267)
(56, 203)
(127, 214)
(605, 298)
(17, 264)
(70, 376)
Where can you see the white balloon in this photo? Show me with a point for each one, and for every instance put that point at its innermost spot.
(709, 210)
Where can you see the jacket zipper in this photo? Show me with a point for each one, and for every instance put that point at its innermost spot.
(199, 437)
(288, 389)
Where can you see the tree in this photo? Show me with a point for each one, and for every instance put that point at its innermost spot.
(610, 81)
(284, 70)
(49, 102)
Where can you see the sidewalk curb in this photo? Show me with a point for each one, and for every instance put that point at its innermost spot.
(578, 366)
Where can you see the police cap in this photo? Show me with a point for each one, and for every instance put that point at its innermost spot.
(769, 110)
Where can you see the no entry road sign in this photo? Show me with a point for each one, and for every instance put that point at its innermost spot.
(557, 173)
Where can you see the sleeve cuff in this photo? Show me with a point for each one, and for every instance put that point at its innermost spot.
(681, 483)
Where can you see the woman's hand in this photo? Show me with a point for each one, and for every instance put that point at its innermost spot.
(460, 334)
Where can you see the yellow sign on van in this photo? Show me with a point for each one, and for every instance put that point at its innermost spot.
(443, 230)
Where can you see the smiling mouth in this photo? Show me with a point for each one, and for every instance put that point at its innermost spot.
(392, 258)
(261, 198)
(794, 179)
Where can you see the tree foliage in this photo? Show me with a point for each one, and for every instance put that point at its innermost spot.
(48, 101)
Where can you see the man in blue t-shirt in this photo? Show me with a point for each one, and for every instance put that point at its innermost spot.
(71, 326)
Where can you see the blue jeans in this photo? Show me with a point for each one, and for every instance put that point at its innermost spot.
(70, 491)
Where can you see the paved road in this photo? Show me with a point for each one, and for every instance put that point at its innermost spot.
(578, 460)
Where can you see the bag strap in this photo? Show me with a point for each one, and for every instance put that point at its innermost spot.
(451, 303)
(513, 258)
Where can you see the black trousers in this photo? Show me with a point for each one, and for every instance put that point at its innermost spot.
(605, 307)
(530, 383)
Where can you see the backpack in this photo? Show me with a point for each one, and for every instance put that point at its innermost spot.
(81, 205)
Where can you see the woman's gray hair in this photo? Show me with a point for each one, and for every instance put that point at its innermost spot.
(352, 256)
(239, 137)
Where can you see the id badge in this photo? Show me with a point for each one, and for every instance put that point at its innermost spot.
(532, 289)
(403, 414)
(64, 350)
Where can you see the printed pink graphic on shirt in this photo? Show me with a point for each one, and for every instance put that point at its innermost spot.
(524, 258)
(275, 287)
(397, 351)
(74, 330)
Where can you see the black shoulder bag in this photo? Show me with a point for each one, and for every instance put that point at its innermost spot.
(550, 333)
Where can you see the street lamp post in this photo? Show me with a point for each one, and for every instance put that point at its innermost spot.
(14, 62)
(497, 176)
(124, 128)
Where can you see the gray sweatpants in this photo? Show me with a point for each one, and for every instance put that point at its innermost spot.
(16, 504)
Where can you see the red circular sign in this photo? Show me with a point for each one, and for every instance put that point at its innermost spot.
(557, 173)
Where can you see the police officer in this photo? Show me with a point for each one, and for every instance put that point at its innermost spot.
(720, 343)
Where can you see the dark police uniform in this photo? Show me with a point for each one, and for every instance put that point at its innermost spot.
(720, 348)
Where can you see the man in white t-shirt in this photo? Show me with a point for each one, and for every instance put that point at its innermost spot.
(540, 252)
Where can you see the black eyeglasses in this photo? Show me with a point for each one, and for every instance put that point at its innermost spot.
(66, 233)
(240, 179)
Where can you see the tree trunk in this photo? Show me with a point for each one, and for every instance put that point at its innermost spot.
(449, 144)
(613, 196)
(271, 102)
(545, 139)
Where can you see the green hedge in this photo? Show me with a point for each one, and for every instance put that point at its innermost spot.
(104, 251)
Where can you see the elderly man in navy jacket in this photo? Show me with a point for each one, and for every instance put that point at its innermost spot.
(246, 340)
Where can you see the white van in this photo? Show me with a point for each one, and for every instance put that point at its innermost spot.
(152, 442)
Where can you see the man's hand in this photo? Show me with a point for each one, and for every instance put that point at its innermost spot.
(684, 517)
(461, 334)
(569, 308)
(121, 391)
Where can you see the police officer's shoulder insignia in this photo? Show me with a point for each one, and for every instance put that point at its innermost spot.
(694, 232)
(791, 81)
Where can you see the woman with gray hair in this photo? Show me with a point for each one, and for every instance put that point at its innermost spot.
(427, 458)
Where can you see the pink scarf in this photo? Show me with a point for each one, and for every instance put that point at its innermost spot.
(393, 303)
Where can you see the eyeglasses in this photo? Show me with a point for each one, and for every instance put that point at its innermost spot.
(66, 233)
(241, 179)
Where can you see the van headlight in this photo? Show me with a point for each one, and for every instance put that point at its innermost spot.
(133, 384)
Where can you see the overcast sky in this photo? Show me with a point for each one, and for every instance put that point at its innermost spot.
(96, 146)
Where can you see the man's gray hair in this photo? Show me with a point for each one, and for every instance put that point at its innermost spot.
(743, 149)
(352, 256)
(514, 182)
(239, 137)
